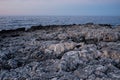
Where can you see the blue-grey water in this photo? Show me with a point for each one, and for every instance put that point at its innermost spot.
(13, 22)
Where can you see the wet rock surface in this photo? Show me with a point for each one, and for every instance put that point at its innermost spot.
(67, 52)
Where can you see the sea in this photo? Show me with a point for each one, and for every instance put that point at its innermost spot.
(13, 22)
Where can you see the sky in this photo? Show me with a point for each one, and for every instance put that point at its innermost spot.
(60, 7)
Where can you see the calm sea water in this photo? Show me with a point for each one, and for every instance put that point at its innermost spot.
(12, 22)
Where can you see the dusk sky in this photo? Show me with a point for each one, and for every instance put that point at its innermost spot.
(60, 7)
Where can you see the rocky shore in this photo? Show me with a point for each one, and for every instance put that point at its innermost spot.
(61, 52)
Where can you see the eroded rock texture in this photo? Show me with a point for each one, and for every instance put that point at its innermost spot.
(68, 52)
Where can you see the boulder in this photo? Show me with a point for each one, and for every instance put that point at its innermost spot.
(70, 61)
(102, 34)
(60, 48)
(110, 37)
(62, 36)
(114, 54)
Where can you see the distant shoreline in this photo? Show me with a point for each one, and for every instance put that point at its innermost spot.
(14, 22)
(50, 26)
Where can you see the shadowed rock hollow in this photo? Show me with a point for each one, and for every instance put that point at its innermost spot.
(63, 52)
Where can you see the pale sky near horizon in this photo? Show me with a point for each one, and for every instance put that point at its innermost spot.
(60, 7)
